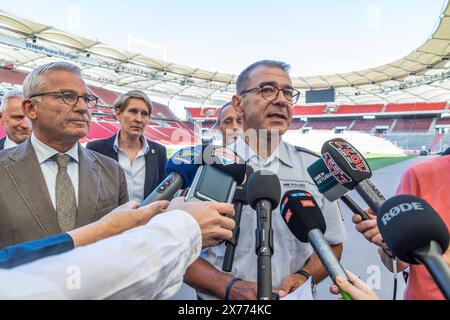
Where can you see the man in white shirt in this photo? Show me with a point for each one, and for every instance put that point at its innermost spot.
(16, 125)
(146, 262)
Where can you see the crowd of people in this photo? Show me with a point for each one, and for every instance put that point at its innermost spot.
(64, 205)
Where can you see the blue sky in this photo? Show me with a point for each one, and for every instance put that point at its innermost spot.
(315, 37)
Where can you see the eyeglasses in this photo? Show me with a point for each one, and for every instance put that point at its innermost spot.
(71, 98)
(270, 92)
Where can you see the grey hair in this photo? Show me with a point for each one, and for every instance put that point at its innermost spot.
(9, 95)
(33, 82)
(221, 111)
(243, 77)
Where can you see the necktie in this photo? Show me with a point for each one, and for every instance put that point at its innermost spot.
(66, 205)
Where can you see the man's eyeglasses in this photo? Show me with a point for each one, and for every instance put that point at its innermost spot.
(71, 98)
(270, 92)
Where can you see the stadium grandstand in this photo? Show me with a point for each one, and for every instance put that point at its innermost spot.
(397, 107)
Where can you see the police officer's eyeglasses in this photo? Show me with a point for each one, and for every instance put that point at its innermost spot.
(70, 97)
(270, 92)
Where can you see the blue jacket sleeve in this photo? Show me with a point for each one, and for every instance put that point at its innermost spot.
(27, 252)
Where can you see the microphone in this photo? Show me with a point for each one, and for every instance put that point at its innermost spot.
(181, 170)
(240, 200)
(306, 222)
(263, 194)
(351, 170)
(331, 188)
(416, 234)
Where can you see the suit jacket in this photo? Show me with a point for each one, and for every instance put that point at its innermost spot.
(2, 143)
(155, 160)
(26, 210)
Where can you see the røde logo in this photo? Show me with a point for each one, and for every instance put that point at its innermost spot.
(401, 208)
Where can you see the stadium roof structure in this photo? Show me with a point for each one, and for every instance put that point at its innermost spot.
(423, 75)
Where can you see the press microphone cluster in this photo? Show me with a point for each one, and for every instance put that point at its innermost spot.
(351, 170)
(416, 234)
(332, 190)
(305, 220)
(186, 165)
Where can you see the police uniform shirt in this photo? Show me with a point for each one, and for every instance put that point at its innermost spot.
(290, 255)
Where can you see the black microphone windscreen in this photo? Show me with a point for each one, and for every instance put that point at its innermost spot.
(301, 213)
(407, 223)
(345, 162)
(263, 185)
(240, 193)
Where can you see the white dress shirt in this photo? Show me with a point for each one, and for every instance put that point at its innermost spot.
(49, 166)
(134, 171)
(147, 262)
(9, 143)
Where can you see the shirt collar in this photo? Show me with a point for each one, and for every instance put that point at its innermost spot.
(282, 153)
(145, 147)
(9, 143)
(44, 152)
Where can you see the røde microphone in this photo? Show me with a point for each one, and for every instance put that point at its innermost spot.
(240, 199)
(181, 169)
(306, 222)
(416, 234)
(331, 188)
(351, 170)
(263, 194)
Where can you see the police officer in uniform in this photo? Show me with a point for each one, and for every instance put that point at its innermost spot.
(265, 97)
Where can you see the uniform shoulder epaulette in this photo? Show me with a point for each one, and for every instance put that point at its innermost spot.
(300, 149)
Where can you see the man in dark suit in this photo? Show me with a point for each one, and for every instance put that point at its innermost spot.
(16, 125)
(142, 160)
(50, 184)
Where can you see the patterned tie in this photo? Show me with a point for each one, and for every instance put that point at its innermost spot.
(66, 205)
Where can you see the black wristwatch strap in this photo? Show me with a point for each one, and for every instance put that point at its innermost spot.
(305, 274)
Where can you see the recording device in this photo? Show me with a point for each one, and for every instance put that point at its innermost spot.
(240, 199)
(218, 175)
(351, 170)
(306, 222)
(180, 169)
(331, 189)
(263, 194)
(416, 234)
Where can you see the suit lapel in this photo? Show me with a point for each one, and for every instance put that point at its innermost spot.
(88, 187)
(27, 177)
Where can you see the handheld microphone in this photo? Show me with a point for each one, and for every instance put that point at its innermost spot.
(263, 194)
(306, 222)
(416, 234)
(240, 199)
(351, 170)
(331, 188)
(181, 170)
